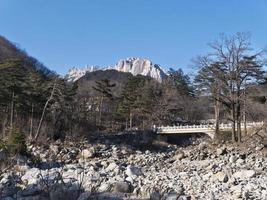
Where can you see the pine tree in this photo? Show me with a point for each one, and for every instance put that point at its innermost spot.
(104, 88)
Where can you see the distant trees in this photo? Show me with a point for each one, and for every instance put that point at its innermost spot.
(104, 89)
(227, 72)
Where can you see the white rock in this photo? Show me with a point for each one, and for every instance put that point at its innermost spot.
(221, 176)
(232, 158)
(112, 166)
(244, 174)
(104, 187)
(31, 176)
(88, 153)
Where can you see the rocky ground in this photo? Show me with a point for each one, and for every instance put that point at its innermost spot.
(113, 169)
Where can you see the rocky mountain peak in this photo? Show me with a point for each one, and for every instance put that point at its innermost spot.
(131, 65)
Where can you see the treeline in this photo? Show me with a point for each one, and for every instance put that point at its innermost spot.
(41, 105)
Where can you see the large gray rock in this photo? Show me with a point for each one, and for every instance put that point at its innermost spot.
(29, 191)
(60, 191)
(122, 187)
(155, 196)
(172, 196)
(85, 196)
(133, 171)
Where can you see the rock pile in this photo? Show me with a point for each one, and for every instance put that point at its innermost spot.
(114, 171)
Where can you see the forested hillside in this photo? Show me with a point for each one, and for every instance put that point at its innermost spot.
(40, 104)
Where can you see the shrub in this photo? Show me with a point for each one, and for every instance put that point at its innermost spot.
(17, 142)
(2, 144)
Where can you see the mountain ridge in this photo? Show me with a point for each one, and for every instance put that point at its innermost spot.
(131, 65)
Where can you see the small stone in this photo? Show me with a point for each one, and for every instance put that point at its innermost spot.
(221, 151)
(232, 158)
(240, 161)
(221, 176)
(184, 197)
(259, 148)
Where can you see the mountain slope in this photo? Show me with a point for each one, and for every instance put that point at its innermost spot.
(9, 51)
(135, 66)
(86, 82)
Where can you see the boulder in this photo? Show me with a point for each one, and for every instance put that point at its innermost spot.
(122, 187)
(60, 191)
(111, 167)
(133, 172)
(88, 153)
(173, 195)
(244, 174)
(221, 151)
(179, 155)
(220, 176)
(85, 196)
(155, 196)
(31, 176)
(233, 159)
(104, 187)
(29, 191)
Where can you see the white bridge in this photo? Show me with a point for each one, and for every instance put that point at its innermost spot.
(207, 129)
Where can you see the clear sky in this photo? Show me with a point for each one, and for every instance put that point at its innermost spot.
(66, 33)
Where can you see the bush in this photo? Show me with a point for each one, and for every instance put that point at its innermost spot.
(17, 142)
(2, 144)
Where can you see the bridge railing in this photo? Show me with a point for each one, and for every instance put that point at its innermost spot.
(205, 127)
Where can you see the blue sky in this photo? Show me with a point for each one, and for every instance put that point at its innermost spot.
(66, 33)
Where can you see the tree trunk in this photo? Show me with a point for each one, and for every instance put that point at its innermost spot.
(12, 112)
(217, 118)
(31, 122)
(233, 122)
(245, 115)
(131, 120)
(43, 113)
(238, 120)
(100, 111)
(5, 123)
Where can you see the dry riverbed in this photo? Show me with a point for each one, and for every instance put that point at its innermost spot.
(110, 169)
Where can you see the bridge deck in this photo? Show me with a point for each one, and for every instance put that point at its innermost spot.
(208, 129)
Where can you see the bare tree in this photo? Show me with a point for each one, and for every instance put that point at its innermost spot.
(50, 98)
(233, 65)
